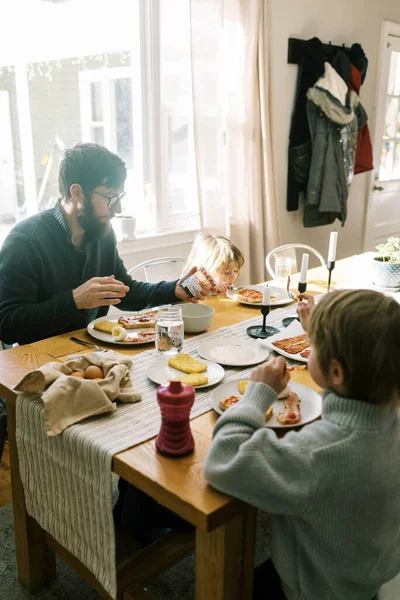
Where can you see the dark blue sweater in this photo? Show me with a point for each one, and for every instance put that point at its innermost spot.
(39, 268)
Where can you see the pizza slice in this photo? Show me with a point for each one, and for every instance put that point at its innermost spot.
(290, 414)
(305, 353)
(148, 335)
(226, 403)
(249, 295)
(291, 341)
(138, 321)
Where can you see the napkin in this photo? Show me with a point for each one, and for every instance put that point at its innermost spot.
(68, 400)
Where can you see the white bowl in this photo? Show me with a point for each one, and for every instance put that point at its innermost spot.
(196, 317)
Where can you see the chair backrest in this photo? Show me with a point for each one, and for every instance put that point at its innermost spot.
(159, 269)
(290, 251)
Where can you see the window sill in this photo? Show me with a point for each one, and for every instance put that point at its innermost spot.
(144, 242)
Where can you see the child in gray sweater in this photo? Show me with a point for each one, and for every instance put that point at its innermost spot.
(332, 488)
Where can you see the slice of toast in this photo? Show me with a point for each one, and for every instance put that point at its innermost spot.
(194, 379)
(105, 326)
(269, 413)
(187, 364)
(242, 385)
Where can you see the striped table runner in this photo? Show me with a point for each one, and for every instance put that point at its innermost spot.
(67, 478)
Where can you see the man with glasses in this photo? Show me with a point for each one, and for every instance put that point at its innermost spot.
(60, 268)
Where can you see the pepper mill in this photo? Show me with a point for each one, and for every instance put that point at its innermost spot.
(175, 436)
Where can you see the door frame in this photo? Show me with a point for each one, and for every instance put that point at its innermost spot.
(389, 28)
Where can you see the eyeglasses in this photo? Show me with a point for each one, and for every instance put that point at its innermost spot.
(112, 200)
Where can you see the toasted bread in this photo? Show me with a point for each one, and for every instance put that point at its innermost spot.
(194, 379)
(106, 326)
(269, 413)
(242, 385)
(187, 364)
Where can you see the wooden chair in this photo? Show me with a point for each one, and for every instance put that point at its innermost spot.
(159, 269)
(290, 251)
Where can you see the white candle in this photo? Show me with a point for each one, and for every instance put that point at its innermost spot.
(304, 267)
(266, 296)
(332, 246)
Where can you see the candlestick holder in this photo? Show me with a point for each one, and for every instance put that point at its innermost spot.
(255, 331)
(330, 265)
(302, 287)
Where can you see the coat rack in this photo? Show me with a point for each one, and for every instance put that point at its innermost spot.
(295, 50)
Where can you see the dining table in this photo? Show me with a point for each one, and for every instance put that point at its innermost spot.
(225, 528)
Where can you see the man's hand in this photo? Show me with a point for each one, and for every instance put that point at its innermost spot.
(181, 293)
(304, 309)
(274, 373)
(99, 291)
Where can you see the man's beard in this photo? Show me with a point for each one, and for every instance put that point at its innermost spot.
(92, 225)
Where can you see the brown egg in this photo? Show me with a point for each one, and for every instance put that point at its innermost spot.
(94, 372)
(79, 374)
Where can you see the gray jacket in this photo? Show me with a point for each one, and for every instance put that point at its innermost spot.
(334, 116)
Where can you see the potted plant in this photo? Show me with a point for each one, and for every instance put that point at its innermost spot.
(386, 265)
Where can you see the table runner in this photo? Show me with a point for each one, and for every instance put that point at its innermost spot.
(77, 509)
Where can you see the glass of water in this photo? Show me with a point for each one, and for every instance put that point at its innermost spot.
(283, 268)
(169, 330)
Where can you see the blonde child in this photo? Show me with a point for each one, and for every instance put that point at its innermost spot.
(333, 487)
(222, 259)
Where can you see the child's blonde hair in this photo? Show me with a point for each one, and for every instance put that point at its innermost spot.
(215, 253)
(361, 330)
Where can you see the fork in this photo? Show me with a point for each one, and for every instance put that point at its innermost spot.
(290, 294)
(89, 344)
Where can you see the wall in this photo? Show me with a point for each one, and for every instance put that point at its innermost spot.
(342, 21)
(7, 82)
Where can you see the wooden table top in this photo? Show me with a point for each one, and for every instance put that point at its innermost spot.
(177, 483)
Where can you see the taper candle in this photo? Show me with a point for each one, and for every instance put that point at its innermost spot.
(266, 296)
(332, 246)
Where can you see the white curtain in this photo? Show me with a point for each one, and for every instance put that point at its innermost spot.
(229, 41)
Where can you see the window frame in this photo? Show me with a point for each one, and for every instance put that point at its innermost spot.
(151, 128)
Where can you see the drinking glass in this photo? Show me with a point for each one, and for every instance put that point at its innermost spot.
(169, 330)
(283, 268)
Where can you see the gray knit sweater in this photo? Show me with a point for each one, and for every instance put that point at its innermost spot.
(333, 491)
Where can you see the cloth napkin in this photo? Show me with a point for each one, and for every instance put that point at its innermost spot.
(68, 400)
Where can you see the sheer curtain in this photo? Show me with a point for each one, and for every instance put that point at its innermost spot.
(229, 44)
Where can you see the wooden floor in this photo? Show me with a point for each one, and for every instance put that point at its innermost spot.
(5, 479)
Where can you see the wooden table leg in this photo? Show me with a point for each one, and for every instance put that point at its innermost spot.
(35, 560)
(225, 559)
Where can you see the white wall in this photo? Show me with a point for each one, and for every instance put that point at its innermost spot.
(339, 21)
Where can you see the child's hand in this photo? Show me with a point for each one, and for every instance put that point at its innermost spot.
(221, 288)
(304, 309)
(274, 373)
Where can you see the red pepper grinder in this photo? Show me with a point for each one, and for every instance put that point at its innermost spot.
(175, 436)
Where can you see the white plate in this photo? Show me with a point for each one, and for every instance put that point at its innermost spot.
(280, 293)
(311, 403)
(292, 330)
(107, 337)
(160, 371)
(233, 351)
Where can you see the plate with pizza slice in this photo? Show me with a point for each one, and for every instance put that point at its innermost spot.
(132, 332)
(300, 404)
(252, 295)
(291, 342)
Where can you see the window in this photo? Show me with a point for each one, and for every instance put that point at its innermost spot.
(124, 82)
